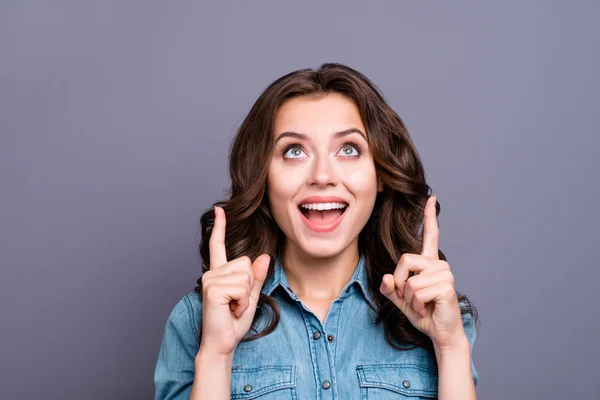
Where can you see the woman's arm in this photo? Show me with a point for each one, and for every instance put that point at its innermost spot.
(186, 369)
(212, 377)
(455, 378)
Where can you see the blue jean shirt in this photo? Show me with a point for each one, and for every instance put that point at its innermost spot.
(346, 358)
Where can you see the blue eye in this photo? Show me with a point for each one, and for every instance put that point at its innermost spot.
(294, 149)
(350, 146)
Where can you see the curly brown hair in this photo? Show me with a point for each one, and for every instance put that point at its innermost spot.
(394, 227)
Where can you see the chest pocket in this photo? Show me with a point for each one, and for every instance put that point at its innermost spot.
(397, 381)
(266, 382)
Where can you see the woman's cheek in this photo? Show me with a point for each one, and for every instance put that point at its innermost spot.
(361, 179)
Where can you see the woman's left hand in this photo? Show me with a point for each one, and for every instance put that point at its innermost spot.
(428, 298)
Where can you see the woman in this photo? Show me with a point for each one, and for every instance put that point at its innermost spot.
(318, 281)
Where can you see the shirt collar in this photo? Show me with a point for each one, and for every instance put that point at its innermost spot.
(359, 278)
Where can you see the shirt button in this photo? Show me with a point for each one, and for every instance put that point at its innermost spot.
(316, 335)
(248, 388)
(325, 385)
(406, 384)
(330, 338)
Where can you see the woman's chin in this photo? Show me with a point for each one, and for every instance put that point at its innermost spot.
(323, 248)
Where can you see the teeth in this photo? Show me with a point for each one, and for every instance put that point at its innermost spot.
(323, 206)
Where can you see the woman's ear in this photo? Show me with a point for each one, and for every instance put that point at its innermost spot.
(380, 185)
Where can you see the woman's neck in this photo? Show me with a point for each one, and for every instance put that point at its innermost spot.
(319, 279)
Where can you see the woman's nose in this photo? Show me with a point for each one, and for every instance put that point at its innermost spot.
(324, 172)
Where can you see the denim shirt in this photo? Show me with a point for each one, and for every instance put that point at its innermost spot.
(346, 358)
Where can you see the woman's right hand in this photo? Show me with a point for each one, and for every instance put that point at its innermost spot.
(230, 292)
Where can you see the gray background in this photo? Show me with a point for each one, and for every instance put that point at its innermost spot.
(116, 119)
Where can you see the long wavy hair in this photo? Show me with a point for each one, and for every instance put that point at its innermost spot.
(394, 227)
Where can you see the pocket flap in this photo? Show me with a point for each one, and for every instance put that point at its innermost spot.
(406, 379)
(248, 383)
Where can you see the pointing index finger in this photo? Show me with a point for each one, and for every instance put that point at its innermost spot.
(216, 243)
(431, 232)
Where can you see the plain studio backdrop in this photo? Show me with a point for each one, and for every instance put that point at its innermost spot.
(115, 124)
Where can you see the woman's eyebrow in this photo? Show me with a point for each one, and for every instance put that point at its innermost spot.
(302, 136)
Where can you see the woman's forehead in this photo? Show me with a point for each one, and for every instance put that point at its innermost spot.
(309, 115)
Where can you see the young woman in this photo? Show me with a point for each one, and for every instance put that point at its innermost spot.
(322, 277)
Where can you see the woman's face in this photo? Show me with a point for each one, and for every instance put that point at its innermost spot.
(322, 182)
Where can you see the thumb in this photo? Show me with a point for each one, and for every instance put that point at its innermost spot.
(260, 266)
(388, 289)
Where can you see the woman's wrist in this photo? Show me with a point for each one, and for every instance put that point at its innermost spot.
(454, 370)
(212, 375)
(459, 345)
(208, 357)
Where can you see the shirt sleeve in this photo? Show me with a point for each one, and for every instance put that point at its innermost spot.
(471, 332)
(174, 373)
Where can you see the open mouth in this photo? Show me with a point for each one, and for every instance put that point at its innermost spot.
(322, 217)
